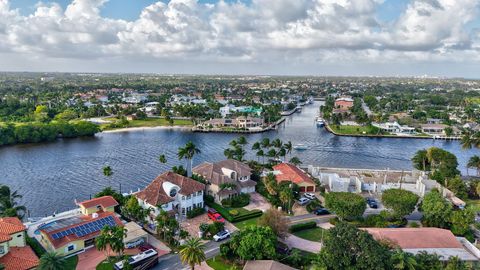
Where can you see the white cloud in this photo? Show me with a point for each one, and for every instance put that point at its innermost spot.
(267, 32)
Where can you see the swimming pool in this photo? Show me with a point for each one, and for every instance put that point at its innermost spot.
(44, 226)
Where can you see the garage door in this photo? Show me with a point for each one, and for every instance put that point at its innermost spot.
(302, 189)
(310, 189)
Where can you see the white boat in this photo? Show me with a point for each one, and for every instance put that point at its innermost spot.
(300, 146)
(299, 109)
(320, 122)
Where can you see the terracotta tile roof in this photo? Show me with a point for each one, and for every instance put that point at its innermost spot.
(19, 258)
(289, 172)
(416, 238)
(105, 201)
(214, 174)
(154, 193)
(8, 226)
(266, 265)
(72, 237)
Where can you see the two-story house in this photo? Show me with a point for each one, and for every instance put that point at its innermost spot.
(15, 254)
(172, 193)
(225, 172)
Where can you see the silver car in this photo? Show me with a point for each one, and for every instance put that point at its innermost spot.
(303, 201)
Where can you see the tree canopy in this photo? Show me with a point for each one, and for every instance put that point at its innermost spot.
(345, 204)
(401, 201)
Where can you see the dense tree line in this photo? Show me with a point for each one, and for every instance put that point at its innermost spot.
(33, 132)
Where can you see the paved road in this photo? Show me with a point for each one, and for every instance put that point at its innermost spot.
(310, 217)
(172, 261)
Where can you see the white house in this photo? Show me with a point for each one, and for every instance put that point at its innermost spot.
(172, 193)
(395, 128)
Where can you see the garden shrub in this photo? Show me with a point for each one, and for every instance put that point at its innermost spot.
(195, 212)
(233, 212)
(303, 226)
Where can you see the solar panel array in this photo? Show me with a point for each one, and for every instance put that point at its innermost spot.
(88, 228)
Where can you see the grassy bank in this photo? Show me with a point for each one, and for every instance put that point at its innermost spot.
(355, 130)
(149, 122)
(314, 234)
(219, 263)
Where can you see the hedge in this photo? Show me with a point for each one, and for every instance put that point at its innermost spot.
(225, 213)
(197, 211)
(303, 226)
(35, 245)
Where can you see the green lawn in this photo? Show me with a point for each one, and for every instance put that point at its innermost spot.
(311, 234)
(71, 263)
(105, 266)
(150, 122)
(219, 263)
(474, 204)
(353, 130)
(245, 223)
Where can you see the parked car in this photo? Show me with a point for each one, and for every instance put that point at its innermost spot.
(215, 216)
(320, 211)
(303, 201)
(310, 196)
(372, 203)
(221, 235)
(282, 248)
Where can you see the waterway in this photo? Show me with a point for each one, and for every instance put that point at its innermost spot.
(51, 176)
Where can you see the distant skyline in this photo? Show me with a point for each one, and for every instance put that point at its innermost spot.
(252, 37)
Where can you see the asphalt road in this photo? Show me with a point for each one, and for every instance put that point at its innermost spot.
(172, 261)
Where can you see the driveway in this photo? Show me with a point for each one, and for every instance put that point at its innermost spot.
(89, 259)
(302, 244)
(257, 201)
(192, 225)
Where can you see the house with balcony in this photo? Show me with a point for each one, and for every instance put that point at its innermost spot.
(228, 171)
(173, 193)
(15, 254)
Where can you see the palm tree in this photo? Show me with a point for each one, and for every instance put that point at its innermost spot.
(470, 139)
(162, 159)
(107, 171)
(289, 147)
(295, 161)
(8, 203)
(111, 238)
(228, 153)
(51, 261)
(265, 143)
(474, 162)
(272, 153)
(239, 153)
(256, 146)
(282, 153)
(192, 253)
(188, 152)
(277, 143)
(403, 260)
(242, 140)
(102, 241)
(259, 154)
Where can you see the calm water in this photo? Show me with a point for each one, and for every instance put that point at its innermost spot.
(50, 176)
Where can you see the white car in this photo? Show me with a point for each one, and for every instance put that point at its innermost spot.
(310, 196)
(221, 236)
(303, 201)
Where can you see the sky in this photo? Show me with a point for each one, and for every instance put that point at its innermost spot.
(249, 37)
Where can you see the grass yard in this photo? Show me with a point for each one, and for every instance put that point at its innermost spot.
(150, 122)
(105, 266)
(314, 234)
(351, 130)
(245, 223)
(219, 263)
(474, 204)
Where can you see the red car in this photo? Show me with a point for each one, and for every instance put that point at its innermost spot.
(214, 215)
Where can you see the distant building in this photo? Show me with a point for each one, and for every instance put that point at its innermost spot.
(289, 172)
(395, 128)
(430, 240)
(344, 103)
(15, 254)
(223, 172)
(434, 129)
(239, 122)
(172, 193)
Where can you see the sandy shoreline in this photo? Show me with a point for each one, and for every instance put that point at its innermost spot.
(146, 128)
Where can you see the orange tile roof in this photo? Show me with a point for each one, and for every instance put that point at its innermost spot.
(11, 225)
(416, 238)
(105, 201)
(19, 258)
(5, 237)
(72, 237)
(289, 172)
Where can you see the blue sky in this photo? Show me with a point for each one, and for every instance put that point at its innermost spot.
(351, 37)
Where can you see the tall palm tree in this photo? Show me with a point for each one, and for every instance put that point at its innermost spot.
(265, 143)
(8, 203)
(51, 261)
(256, 146)
(192, 253)
(259, 154)
(242, 140)
(107, 171)
(228, 153)
(282, 153)
(474, 162)
(162, 159)
(277, 143)
(289, 147)
(188, 152)
(295, 161)
(470, 139)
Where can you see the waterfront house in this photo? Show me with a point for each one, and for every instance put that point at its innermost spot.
(290, 172)
(344, 103)
(395, 128)
(226, 172)
(434, 129)
(77, 233)
(15, 254)
(239, 122)
(430, 240)
(172, 193)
